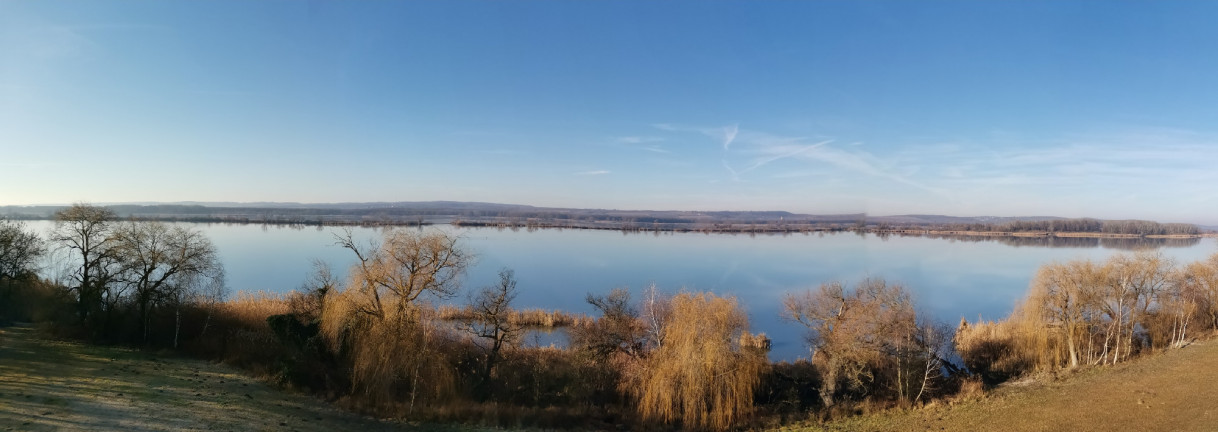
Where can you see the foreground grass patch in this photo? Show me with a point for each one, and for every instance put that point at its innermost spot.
(54, 385)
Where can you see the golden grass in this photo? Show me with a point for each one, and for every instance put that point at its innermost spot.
(253, 308)
(527, 318)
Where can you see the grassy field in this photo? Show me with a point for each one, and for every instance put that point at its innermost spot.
(1173, 391)
(52, 385)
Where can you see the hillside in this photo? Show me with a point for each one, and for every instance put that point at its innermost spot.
(53, 385)
(483, 214)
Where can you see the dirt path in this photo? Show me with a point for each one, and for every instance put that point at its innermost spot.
(51, 385)
(1173, 391)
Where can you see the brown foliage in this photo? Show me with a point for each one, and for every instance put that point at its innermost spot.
(1086, 313)
(701, 375)
(867, 337)
(378, 324)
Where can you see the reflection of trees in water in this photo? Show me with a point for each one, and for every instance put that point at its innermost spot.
(1133, 243)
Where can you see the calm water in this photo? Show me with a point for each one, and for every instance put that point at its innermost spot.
(556, 269)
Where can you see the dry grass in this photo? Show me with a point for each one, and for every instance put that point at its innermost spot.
(525, 318)
(51, 385)
(252, 309)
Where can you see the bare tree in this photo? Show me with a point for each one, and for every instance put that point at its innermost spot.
(1065, 296)
(85, 230)
(656, 308)
(309, 302)
(933, 346)
(161, 262)
(206, 287)
(404, 266)
(20, 251)
(491, 308)
(376, 320)
(1130, 283)
(853, 333)
(618, 330)
(1201, 278)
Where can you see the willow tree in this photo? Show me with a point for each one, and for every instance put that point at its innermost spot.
(705, 372)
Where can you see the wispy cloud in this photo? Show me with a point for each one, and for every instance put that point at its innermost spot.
(656, 149)
(725, 135)
(1145, 172)
(593, 173)
(730, 170)
(783, 152)
(729, 135)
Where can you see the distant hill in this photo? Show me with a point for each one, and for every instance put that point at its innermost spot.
(481, 213)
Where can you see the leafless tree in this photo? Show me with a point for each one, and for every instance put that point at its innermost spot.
(160, 263)
(85, 230)
(855, 333)
(20, 252)
(618, 330)
(404, 266)
(377, 321)
(491, 308)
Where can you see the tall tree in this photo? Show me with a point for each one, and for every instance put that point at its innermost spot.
(85, 231)
(491, 308)
(161, 262)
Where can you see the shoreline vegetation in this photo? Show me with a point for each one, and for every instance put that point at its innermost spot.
(387, 342)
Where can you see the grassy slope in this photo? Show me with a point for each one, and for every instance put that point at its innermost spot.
(1173, 391)
(51, 385)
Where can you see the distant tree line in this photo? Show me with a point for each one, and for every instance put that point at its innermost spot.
(1082, 225)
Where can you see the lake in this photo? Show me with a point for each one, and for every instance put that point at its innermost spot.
(949, 278)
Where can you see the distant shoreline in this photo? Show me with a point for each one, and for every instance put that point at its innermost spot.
(707, 228)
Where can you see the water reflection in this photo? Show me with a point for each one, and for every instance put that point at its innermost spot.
(950, 276)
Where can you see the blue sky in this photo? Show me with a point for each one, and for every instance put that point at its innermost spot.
(1103, 109)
